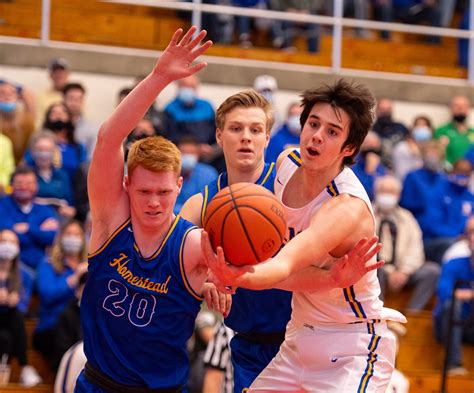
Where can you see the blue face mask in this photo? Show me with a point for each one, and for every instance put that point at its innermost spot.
(186, 95)
(459, 180)
(421, 134)
(294, 125)
(188, 162)
(268, 95)
(7, 107)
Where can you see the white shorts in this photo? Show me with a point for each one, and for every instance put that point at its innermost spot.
(336, 358)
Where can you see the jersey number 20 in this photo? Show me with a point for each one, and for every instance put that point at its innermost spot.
(141, 306)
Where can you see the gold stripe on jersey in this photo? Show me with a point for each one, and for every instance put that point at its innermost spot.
(295, 157)
(93, 254)
(181, 267)
(170, 231)
(204, 204)
(270, 168)
(371, 359)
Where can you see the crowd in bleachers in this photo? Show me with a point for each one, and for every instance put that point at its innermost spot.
(226, 29)
(419, 177)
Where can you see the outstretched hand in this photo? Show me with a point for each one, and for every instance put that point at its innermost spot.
(349, 269)
(177, 59)
(222, 274)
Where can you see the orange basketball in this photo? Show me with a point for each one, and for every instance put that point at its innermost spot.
(247, 221)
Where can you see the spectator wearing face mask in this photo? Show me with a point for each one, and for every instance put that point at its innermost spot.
(456, 135)
(406, 153)
(448, 211)
(402, 248)
(188, 114)
(71, 154)
(17, 114)
(368, 166)
(287, 136)
(143, 129)
(421, 184)
(13, 341)
(54, 188)
(196, 175)
(57, 279)
(35, 225)
(390, 131)
(267, 86)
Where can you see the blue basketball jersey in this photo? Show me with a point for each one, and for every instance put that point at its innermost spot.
(265, 311)
(138, 313)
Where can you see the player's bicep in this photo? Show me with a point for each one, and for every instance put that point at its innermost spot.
(194, 264)
(105, 177)
(192, 208)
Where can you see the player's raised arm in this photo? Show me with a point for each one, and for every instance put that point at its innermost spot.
(105, 181)
(192, 209)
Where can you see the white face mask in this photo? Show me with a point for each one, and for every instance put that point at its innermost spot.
(8, 251)
(294, 125)
(386, 202)
(71, 244)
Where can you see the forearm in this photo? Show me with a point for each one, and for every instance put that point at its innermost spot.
(117, 127)
(264, 275)
(309, 279)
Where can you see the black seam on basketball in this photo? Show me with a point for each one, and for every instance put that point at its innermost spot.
(243, 226)
(266, 218)
(206, 219)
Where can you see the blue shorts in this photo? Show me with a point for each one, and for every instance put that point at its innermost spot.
(249, 359)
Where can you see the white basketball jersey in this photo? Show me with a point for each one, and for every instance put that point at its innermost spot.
(358, 303)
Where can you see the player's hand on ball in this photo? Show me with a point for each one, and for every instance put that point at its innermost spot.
(222, 274)
(349, 269)
(217, 300)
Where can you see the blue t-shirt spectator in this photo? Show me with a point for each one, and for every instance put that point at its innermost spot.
(201, 175)
(420, 187)
(281, 140)
(33, 239)
(54, 293)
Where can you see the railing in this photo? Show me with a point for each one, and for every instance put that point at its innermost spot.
(337, 22)
(452, 322)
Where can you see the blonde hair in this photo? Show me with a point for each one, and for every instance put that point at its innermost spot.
(245, 99)
(57, 253)
(156, 154)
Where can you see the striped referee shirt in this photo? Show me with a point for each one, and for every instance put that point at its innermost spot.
(217, 355)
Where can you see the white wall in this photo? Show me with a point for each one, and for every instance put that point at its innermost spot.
(102, 92)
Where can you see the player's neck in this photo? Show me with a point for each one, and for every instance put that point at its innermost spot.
(251, 175)
(149, 238)
(314, 181)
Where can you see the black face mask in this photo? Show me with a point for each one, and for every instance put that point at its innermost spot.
(364, 153)
(384, 119)
(58, 125)
(459, 118)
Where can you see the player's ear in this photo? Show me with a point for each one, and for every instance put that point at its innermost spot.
(348, 150)
(126, 183)
(267, 138)
(180, 183)
(219, 136)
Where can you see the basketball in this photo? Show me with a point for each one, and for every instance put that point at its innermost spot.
(247, 221)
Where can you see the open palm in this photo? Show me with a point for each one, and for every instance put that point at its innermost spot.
(178, 57)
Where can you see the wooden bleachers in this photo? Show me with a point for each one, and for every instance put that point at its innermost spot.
(421, 358)
(94, 22)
